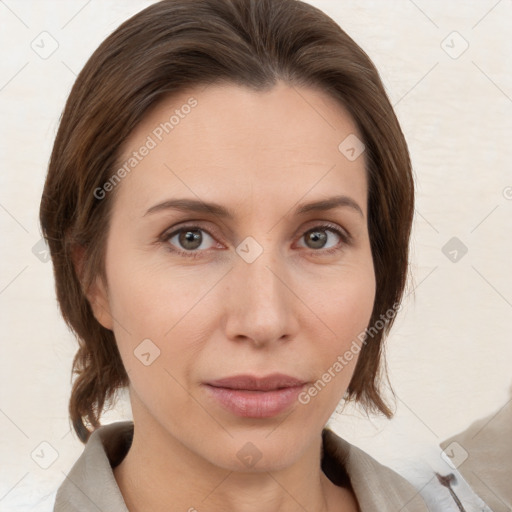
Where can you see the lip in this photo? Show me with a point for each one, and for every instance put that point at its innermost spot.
(256, 397)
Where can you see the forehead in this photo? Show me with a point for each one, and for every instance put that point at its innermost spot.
(227, 141)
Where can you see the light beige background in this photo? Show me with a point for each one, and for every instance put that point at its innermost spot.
(450, 351)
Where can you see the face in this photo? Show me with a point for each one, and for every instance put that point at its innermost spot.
(232, 321)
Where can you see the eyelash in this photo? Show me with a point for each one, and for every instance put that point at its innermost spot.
(344, 236)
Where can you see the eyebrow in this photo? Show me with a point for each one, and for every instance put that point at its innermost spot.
(196, 206)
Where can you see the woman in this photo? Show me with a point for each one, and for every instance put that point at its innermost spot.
(228, 209)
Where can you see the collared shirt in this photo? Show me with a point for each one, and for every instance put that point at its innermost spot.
(90, 485)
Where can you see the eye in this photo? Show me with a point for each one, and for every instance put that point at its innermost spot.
(318, 238)
(189, 238)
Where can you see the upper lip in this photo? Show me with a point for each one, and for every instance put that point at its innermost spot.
(253, 383)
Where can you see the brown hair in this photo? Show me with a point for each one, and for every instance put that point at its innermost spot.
(165, 48)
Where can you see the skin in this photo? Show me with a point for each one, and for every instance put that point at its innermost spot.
(293, 310)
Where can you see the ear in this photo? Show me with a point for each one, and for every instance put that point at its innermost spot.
(97, 293)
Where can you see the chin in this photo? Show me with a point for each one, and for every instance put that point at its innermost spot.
(259, 450)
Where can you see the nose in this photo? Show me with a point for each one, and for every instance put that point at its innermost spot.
(260, 303)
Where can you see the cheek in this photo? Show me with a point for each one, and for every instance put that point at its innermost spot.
(345, 310)
(144, 300)
(354, 305)
(155, 329)
(147, 305)
(346, 302)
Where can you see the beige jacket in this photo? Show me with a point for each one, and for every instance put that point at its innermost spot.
(90, 485)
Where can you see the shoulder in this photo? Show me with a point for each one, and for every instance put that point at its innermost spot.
(483, 456)
(90, 485)
(379, 488)
(376, 486)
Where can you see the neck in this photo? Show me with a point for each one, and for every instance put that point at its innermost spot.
(159, 471)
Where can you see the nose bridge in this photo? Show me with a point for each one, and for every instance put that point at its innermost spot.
(258, 267)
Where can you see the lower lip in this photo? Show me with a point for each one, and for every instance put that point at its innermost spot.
(255, 404)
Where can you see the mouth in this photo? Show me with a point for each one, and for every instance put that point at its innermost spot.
(256, 397)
